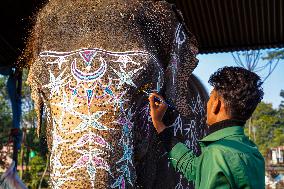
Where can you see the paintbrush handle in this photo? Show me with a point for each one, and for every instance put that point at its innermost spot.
(148, 94)
(164, 102)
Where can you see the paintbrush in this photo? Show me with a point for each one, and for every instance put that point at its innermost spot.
(158, 99)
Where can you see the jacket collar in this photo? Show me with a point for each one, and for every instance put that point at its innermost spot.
(224, 129)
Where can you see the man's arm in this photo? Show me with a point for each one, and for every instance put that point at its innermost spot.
(158, 108)
(182, 158)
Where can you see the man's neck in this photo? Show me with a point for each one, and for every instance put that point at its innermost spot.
(224, 124)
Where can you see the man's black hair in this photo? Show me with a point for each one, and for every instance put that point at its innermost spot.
(240, 88)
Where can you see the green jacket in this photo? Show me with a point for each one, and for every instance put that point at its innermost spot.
(228, 160)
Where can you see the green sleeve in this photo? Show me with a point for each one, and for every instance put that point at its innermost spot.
(214, 171)
(183, 160)
(214, 180)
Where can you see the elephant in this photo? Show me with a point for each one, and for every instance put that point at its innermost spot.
(93, 64)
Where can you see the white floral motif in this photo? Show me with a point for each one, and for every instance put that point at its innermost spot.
(125, 77)
(59, 61)
(125, 59)
(90, 121)
(55, 83)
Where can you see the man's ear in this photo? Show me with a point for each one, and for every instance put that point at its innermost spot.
(216, 106)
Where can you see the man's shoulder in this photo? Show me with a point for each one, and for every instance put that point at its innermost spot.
(231, 150)
(237, 160)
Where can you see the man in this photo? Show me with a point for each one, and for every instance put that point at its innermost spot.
(229, 159)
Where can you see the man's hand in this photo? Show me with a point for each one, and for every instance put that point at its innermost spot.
(157, 112)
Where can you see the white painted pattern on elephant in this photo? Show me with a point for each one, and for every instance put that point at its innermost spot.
(91, 159)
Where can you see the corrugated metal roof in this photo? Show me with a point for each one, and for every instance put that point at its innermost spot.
(15, 22)
(230, 25)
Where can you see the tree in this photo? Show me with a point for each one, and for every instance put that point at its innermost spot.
(250, 60)
(268, 127)
(5, 111)
(275, 54)
(33, 176)
(281, 106)
(279, 132)
(5, 120)
(36, 165)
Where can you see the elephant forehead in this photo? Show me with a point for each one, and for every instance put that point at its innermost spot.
(90, 94)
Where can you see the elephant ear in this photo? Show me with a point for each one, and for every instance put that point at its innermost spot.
(34, 82)
(37, 78)
(175, 48)
(186, 94)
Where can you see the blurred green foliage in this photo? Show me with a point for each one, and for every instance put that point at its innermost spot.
(5, 119)
(35, 166)
(33, 176)
(267, 126)
(274, 54)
